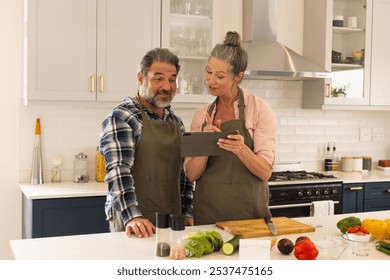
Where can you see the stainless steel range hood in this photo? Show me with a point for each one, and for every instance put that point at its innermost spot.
(269, 59)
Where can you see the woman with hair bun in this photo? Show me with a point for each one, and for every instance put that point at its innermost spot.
(232, 187)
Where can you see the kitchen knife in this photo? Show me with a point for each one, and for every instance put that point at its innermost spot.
(271, 225)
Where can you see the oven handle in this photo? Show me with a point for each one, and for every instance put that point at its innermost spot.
(295, 205)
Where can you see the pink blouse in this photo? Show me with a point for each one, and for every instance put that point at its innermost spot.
(260, 121)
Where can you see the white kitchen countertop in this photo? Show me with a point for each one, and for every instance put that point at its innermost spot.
(69, 189)
(374, 175)
(116, 246)
(66, 189)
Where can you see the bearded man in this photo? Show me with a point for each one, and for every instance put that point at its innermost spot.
(140, 140)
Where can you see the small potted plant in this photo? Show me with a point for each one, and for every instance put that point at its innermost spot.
(339, 92)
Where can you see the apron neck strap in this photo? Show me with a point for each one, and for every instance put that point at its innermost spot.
(241, 107)
(241, 104)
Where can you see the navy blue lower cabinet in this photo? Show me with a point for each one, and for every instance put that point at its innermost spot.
(63, 216)
(353, 198)
(377, 196)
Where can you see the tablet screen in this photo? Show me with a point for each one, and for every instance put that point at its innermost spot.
(203, 144)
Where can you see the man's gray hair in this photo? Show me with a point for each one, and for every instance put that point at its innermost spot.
(161, 55)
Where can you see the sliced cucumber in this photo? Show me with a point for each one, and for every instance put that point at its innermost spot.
(231, 246)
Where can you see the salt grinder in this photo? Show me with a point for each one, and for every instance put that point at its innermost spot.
(177, 237)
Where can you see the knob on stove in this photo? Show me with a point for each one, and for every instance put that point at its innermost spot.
(318, 192)
(308, 192)
(326, 192)
(334, 191)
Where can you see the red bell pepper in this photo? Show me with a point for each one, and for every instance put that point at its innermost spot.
(305, 250)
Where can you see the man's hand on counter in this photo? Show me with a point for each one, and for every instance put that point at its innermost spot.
(140, 227)
(189, 221)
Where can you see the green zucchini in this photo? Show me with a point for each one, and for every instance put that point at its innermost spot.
(385, 243)
(383, 249)
(231, 246)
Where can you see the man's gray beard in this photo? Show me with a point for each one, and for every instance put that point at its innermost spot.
(152, 98)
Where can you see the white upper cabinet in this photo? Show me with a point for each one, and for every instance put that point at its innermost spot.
(331, 43)
(88, 50)
(380, 58)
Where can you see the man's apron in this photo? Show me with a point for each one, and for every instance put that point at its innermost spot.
(227, 190)
(157, 168)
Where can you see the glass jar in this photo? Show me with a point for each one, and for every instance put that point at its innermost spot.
(100, 166)
(177, 237)
(55, 173)
(80, 168)
(367, 163)
(163, 246)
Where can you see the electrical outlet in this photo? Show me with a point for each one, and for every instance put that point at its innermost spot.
(365, 134)
(378, 134)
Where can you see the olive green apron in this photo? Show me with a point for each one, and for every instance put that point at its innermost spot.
(157, 168)
(227, 190)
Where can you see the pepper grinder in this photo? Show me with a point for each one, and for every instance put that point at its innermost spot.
(177, 237)
(163, 247)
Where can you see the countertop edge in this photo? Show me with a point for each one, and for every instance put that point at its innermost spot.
(66, 189)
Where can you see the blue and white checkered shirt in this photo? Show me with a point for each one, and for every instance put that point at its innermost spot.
(119, 137)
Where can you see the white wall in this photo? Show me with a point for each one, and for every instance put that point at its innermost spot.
(10, 91)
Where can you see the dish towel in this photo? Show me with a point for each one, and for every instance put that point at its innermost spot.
(322, 208)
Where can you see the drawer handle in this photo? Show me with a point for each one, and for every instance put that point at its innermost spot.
(356, 188)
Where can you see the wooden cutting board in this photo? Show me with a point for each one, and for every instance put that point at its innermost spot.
(258, 227)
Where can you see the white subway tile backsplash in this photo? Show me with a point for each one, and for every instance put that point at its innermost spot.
(302, 135)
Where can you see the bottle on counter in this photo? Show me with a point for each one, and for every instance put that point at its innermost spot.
(177, 237)
(328, 159)
(80, 168)
(55, 173)
(334, 158)
(37, 168)
(100, 166)
(163, 231)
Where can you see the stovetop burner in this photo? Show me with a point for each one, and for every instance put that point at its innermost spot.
(298, 175)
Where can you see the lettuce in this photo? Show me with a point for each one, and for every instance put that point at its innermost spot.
(201, 243)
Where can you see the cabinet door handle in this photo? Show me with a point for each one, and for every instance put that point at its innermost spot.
(101, 78)
(328, 90)
(92, 78)
(356, 188)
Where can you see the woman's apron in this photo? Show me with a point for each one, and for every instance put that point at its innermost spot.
(227, 190)
(157, 168)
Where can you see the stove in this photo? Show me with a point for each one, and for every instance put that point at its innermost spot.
(298, 175)
(293, 192)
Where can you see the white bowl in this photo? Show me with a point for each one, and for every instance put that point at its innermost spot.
(359, 237)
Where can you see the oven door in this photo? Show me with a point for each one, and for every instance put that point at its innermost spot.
(296, 209)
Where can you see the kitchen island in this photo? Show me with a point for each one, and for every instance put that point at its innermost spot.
(116, 246)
